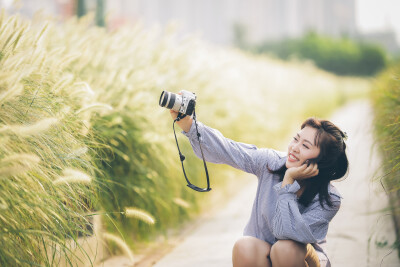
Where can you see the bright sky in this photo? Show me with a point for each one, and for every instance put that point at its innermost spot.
(374, 15)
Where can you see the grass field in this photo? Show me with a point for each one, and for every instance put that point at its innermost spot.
(386, 100)
(82, 133)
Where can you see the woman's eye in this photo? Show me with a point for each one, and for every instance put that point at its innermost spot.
(306, 146)
(295, 139)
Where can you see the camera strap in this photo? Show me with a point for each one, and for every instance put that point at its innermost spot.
(182, 157)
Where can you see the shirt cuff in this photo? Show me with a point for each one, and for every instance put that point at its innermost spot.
(289, 188)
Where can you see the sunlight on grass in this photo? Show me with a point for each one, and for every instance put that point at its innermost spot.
(386, 101)
(81, 129)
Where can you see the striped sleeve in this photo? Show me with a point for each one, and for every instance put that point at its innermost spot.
(289, 223)
(222, 150)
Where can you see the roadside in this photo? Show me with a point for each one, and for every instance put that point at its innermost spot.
(362, 231)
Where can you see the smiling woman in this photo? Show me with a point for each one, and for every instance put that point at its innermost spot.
(294, 202)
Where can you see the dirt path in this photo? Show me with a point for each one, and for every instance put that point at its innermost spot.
(354, 233)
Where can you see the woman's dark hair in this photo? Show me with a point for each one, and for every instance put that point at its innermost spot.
(332, 161)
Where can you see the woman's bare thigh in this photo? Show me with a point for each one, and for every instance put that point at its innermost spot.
(251, 251)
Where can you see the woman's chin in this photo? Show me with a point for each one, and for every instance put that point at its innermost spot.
(290, 164)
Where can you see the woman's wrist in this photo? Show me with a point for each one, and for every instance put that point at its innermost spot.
(287, 179)
(186, 123)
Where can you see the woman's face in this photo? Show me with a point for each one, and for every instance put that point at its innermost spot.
(302, 147)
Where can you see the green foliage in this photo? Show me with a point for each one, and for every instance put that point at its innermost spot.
(340, 56)
(80, 8)
(386, 100)
(100, 13)
(46, 156)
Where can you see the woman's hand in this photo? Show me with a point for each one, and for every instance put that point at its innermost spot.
(184, 123)
(300, 173)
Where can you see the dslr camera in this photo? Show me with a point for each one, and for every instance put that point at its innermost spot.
(184, 103)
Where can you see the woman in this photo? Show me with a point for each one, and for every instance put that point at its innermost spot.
(294, 202)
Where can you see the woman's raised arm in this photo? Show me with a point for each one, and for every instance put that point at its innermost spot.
(219, 149)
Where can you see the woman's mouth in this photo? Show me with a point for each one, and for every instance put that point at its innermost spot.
(292, 158)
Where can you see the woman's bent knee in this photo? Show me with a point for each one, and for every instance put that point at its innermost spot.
(288, 253)
(250, 251)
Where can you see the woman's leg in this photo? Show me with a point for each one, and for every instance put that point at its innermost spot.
(251, 252)
(288, 253)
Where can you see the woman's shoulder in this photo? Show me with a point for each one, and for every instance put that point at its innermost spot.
(275, 158)
(334, 196)
(333, 192)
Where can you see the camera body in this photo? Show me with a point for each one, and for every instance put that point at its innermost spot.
(184, 103)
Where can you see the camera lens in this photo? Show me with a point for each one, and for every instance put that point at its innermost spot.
(163, 99)
(171, 102)
(167, 100)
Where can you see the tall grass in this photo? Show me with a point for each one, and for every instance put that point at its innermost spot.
(386, 100)
(42, 139)
(81, 129)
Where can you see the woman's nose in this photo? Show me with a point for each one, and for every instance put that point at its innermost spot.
(295, 147)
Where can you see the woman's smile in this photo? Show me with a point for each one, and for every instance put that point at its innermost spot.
(292, 158)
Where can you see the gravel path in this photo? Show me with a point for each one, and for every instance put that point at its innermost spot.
(354, 232)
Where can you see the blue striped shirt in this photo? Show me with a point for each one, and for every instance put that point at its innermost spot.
(276, 212)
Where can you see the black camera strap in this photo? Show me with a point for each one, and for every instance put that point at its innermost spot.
(182, 157)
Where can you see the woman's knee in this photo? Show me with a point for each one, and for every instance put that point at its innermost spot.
(288, 253)
(250, 251)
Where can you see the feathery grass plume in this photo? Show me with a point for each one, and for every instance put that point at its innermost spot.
(84, 87)
(17, 164)
(139, 214)
(73, 176)
(34, 129)
(2, 15)
(22, 157)
(69, 58)
(78, 152)
(94, 106)
(97, 226)
(39, 37)
(3, 204)
(20, 34)
(117, 240)
(63, 82)
(85, 127)
(13, 91)
(13, 170)
(181, 202)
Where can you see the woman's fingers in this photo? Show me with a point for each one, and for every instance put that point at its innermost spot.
(315, 169)
(305, 171)
(312, 170)
(173, 113)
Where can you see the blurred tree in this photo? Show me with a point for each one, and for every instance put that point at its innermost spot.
(239, 35)
(100, 8)
(341, 56)
(372, 59)
(80, 8)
